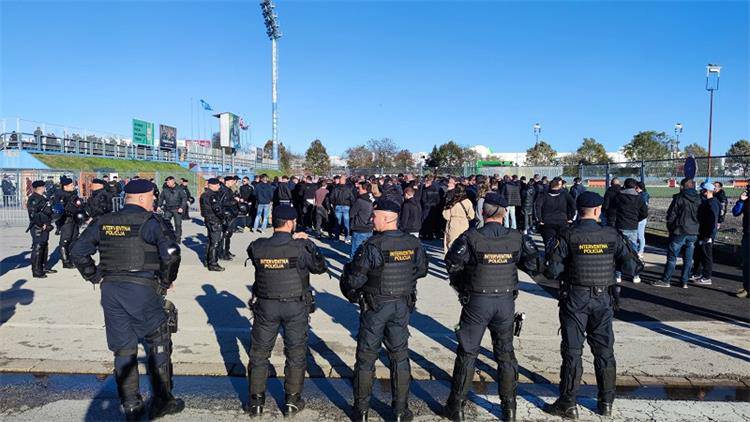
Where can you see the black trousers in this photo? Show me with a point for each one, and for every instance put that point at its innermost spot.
(703, 258)
(135, 313)
(39, 249)
(496, 313)
(586, 315)
(269, 316)
(386, 323)
(173, 215)
(213, 248)
(68, 235)
(549, 231)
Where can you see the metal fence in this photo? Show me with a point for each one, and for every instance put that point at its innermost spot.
(13, 208)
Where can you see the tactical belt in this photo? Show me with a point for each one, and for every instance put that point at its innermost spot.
(121, 277)
(595, 290)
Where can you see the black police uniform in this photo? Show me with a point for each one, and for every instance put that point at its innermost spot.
(383, 278)
(138, 260)
(99, 203)
(171, 200)
(40, 224)
(230, 208)
(70, 223)
(584, 257)
(212, 218)
(282, 298)
(483, 267)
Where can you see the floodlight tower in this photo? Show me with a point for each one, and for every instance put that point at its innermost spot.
(273, 32)
(712, 84)
(537, 132)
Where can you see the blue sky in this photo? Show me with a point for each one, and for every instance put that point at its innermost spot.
(418, 72)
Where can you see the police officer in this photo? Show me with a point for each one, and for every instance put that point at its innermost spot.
(584, 257)
(212, 218)
(138, 261)
(72, 218)
(483, 267)
(172, 202)
(185, 185)
(40, 224)
(383, 279)
(230, 208)
(100, 200)
(281, 298)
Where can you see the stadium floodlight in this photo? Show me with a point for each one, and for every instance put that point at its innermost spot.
(675, 143)
(712, 84)
(537, 131)
(274, 33)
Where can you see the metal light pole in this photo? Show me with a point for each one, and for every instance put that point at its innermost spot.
(712, 84)
(273, 32)
(676, 145)
(537, 131)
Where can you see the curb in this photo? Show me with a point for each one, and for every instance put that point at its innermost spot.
(46, 366)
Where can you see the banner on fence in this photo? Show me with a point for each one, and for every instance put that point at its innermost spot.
(167, 137)
(143, 132)
(229, 130)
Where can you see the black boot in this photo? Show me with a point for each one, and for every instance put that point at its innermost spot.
(160, 373)
(400, 380)
(213, 262)
(559, 409)
(65, 257)
(454, 410)
(359, 415)
(293, 405)
(604, 408)
(37, 262)
(362, 391)
(404, 415)
(133, 411)
(509, 410)
(128, 390)
(45, 258)
(255, 407)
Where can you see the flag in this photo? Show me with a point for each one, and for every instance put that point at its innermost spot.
(243, 125)
(206, 106)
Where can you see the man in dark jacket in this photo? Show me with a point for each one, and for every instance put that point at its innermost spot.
(721, 196)
(342, 197)
(283, 192)
(100, 200)
(708, 225)
(742, 208)
(360, 217)
(608, 215)
(263, 196)
(430, 199)
(172, 202)
(185, 185)
(577, 188)
(511, 191)
(308, 206)
(528, 194)
(629, 208)
(247, 196)
(410, 219)
(682, 223)
(555, 209)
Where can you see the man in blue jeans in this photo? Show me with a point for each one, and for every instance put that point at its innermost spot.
(360, 216)
(628, 208)
(682, 223)
(263, 195)
(342, 197)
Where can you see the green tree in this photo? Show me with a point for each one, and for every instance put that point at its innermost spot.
(433, 160)
(739, 164)
(268, 149)
(285, 159)
(403, 159)
(316, 159)
(450, 154)
(541, 154)
(695, 150)
(591, 152)
(383, 150)
(358, 157)
(647, 145)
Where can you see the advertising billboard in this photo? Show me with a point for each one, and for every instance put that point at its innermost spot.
(143, 132)
(229, 130)
(167, 137)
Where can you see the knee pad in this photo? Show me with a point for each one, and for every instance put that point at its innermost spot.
(366, 360)
(159, 344)
(398, 356)
(571, 353)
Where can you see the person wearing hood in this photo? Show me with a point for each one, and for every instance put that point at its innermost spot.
(554, 209)
(708, 226)
(629, 208)
(682, 224)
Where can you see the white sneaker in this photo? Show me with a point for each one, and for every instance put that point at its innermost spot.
(618, 279)
(636, 279)
(640, 256)
(695, 277)
(703, 281)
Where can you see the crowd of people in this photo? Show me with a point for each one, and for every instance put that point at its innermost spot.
(382, 219)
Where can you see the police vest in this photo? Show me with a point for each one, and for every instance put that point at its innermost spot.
(492, 268)
(277, 275)
(592, 255)
(396, 276)
(121, 246)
